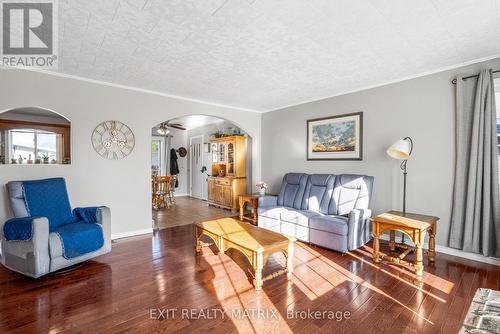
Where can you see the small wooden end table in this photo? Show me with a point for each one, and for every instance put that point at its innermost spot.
(252, 199)
(411, 224)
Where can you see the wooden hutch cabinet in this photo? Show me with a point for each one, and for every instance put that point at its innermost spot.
(228, 179)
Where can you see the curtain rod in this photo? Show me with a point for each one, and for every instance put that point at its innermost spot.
(454, 81)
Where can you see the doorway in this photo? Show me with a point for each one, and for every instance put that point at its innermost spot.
(196, 150)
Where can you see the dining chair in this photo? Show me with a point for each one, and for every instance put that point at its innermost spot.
(173, 181)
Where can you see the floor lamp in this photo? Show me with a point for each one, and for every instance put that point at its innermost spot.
(401, 150)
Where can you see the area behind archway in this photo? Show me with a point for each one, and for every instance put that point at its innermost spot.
(199, 135)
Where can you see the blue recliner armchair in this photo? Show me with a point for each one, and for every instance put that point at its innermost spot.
(46, 235)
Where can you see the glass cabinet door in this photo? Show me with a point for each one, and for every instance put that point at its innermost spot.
(222, 152)
(230, 158)
(215, 152)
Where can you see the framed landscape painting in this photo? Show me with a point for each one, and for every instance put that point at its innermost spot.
(335, 138)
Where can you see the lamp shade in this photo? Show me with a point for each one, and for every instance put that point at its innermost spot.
(400, 150)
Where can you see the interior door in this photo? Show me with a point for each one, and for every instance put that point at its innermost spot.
(197, 180)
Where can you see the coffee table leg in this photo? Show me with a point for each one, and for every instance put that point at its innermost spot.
(242, 207)
(258, 271)
(289, 264)
(197, 240)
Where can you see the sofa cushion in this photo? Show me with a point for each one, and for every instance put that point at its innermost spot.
(299, 217)
(270, 211)
(48, 198)
(75, 239)
(350, 192)
(332, 224)
(318, 192)
(292, 190)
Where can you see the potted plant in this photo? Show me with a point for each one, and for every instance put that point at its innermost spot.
(261, 186)
(30, 161)
(13, 161)
(218, 134)
(45, 158)
(2, 159)
(38, 161)
(53, 161)
(20, 159)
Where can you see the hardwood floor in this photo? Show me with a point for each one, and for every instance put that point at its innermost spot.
(185, 211)
(118, 292)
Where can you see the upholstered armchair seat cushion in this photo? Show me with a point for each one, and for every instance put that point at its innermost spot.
(76, 239)
(332, 224)
(299, 217)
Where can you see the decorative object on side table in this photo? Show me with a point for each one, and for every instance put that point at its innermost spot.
(113, 140)
(335, 138)
(261, 187)
(401, 150)
(415, 226)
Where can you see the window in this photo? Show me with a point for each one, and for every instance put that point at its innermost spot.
(33, 146)
(156, 157)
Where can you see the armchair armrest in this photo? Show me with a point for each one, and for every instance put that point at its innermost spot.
(268, 200)
(25, 245)
(99, 215)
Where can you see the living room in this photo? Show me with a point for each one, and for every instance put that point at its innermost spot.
(325, 166)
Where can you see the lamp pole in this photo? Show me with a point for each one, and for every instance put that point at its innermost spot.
(405, 172)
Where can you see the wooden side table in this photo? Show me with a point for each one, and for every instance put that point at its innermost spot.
(413, 225)
(252, 199)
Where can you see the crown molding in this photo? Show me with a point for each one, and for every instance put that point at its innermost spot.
(390, 82)
(137, 89)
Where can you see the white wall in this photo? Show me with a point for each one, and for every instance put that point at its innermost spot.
(123, 185)
(422, 108)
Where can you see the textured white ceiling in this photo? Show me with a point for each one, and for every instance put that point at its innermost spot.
(267, 54)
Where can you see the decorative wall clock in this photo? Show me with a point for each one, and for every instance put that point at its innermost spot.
(113, 140)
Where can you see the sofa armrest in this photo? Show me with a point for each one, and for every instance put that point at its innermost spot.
(268, 200)
(25, 249)
(359, 228)
(359, 214)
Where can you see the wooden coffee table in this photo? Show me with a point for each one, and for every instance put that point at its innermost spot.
(413, 225)
(256, 243)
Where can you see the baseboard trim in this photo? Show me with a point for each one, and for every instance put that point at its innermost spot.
(122, 235)
(181, 195)
(455, 252)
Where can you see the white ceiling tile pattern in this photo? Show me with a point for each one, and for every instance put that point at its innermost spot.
(266, 54)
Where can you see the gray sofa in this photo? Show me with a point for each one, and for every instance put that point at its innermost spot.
(330, 211)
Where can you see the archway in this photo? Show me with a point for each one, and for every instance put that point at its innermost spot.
(34, 136)
(215, 150)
